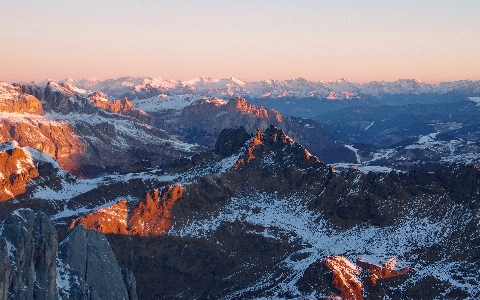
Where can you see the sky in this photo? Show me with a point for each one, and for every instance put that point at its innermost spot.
(361, 40)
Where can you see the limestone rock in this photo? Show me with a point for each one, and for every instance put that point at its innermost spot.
(29, 89)
(345, 277)
(204, 120)
(32, 245)
(21, 104)
(16, 169)
(19, 99)
(149, 218)
(88, 268)
(269, 144)
(130, 283)
(231, 140)
(376, 272)
(5, 270)
(57, 139)
(63, 98)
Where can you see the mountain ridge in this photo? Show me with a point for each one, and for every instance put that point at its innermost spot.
(139, 87)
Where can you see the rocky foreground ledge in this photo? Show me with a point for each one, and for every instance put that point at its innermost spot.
(34, 266)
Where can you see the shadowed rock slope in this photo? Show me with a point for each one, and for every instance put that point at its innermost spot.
(84, 267)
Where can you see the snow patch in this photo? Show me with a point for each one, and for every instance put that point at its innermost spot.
(475, 99)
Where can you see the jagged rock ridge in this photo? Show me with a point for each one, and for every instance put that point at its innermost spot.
(206, 119)
(149, 218)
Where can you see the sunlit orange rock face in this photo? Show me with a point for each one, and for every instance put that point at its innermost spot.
(149, 218)
(112, 219)
(57, 139)
(272, 138)
(22, 104)
(345, 274)
(241, 105)
(378, 272)
(16, 169)
(153, 217)
(213, 116)
(345, 277)
(120, 106)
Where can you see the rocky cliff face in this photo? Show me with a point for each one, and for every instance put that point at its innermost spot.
(347, 279)
(149, 218)
(31, 244)
(19, 99)
(21, 104)
(64, 98)
(88, 269)
(16, 170)
(83, 268)
(122, 106)
(86, 136)
(30, 89)
(57, 139)
(204, 120)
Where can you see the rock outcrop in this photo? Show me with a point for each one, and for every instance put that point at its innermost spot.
(149, 218)
(20, 99)
(122, 107)
(34, 266)
(269, 144)
(230, 141)
(376, 272)
(213, 116)
(111, 219)
(16, 169)
(88, 269)
(64, 98)
(21, 104)
(30, 89)
(153, 217)
(202, 122)
(30, 266)
(345, 277)
(57, 139)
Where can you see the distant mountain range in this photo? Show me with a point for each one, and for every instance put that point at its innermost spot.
(141, 87)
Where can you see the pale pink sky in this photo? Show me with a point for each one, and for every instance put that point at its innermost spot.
(361, 40)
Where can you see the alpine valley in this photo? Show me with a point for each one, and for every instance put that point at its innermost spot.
(144, 188)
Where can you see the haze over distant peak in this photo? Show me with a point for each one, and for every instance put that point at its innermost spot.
(299, 87)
